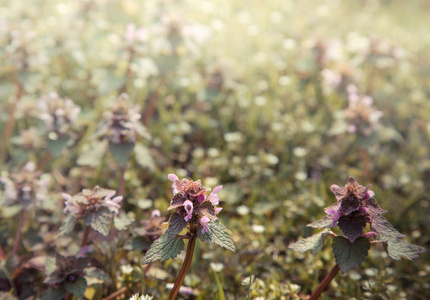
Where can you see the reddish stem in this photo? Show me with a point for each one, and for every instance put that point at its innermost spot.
(85, 237)
(18, 234)
(121, 187)
(324, 284)
(185, 267)
(116, 294)
(152, 103)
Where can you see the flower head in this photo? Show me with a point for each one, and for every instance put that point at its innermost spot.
(89, 201)
(191, 202)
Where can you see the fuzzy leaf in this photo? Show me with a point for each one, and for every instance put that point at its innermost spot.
(373, 207)
(349, 206)
(92, 155)
(352, 225)
(121, 152)
(313, 243)
(218, 234)
(163, 249)
(398, 248)
(67, 226)
(347, 254)
(54, 294)
(380, 225)
(77, 287)
(206, 209)
(143, 157)
(324, 222)
(96, 276)
(122, 221)
(176, 225)
(99, 220)
(177, 201)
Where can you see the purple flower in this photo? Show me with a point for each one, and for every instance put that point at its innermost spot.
(204, 221)
(188, 205)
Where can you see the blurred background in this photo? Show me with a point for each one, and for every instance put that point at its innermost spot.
(276, 101)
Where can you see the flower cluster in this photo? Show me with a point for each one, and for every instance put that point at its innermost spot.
(26, 187)
(123, 121)
(361, 116)
(355, 207)
(151, 227)
(192, 204)
(89, 201)
(59, 114)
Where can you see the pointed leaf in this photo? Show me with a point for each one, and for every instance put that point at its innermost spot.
(313, 243)
(380, 225)
(177, 201)
(99, 220)
(218, 234)
(206, 209)
(324, 222)
(176, 225)
(163, 249)
(55, 147)
(67, 226)
(77, 287)
(96, 276)
(373, 207)
(352, 225)
(347, 254)
(398, 248)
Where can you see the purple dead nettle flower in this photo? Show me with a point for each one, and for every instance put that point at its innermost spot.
(191, 203)
(89, 201)
(151, 227)
(59, 114)
(26, 187)
(361, 115)
(122, 121)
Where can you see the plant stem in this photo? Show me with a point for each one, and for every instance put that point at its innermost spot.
(324, 284)
(116, 294)
(185, 266)
(85, 237)
(121, 187)
(17, 241)
(152, 103)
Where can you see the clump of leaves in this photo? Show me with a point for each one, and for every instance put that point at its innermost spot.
(355, 208)
(196, 212)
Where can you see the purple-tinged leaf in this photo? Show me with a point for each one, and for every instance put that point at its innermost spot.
(67, 226)
(218, 234)
(349, 255)
(99, 220)
(206, 209)
(352, 225)
(313, 243)
(177, 201)
(163, 249)
(380, 225)
(324, 222)
(398, 248)
(350, 205)
(176, 225)
(373, 207)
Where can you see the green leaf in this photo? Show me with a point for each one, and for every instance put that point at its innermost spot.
(398, 248)
(218, 234)
(138, 243)
(50, 264)
(176, 225)
(352, 225)
(99, 220)
(313, 243)
(92, 154)
(121, 152)
(380, 225)
(55, 147)
(67, 226)
(54, 294)
(96, 276)
(347, 254)
(324, 222)
(163, 249)
(77, 287)
(122, 221)
(143, 157)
